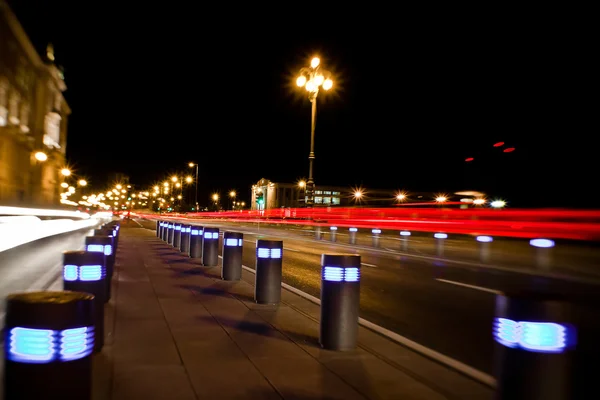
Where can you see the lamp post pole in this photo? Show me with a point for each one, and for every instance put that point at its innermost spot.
(196, 184)
(312, 79)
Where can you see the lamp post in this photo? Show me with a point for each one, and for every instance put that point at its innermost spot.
(312, 79)
(191, 165)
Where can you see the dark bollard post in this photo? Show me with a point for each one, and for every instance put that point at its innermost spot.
(84, 271)
(184, 243)
(103, 245)
(352, 235)
(542, 252)
(376, 234)
(484, 247)
(405, 239)
(177, 236)
(48, 342)
(318, 234)
(196, 236)
(170, 233)
(233, 246)
(267, 279)
(160, 229)
(439, 243)
(157, 228)
(340, 297)
(535, 347)
(165, 231)
(210, 247)
(332, 232)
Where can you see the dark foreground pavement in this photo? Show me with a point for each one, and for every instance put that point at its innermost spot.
(175, 330)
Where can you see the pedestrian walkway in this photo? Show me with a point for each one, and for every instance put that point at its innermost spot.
(176, 331)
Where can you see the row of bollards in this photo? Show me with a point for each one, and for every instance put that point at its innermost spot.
(202, 243)
(340, 288)
(50, 336)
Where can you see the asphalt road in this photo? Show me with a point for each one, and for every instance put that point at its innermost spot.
(441, 304)
(36, 265)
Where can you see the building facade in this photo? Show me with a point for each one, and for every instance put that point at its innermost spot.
(33, 119)
(266, 195)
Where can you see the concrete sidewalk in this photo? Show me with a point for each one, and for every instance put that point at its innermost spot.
(175, 330)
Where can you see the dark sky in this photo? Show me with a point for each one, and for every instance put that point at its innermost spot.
(416, 93)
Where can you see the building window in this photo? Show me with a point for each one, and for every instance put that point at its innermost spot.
(52, 130)
(13, 108)
(326, 200)
(318, 192)
(3, 103)
(318, 200)
(327, 192)
(25, 118)
(336, 193)
(335, 200)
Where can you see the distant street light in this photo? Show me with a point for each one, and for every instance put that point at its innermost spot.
(192, 165)
(65, 172)
(82, 182)
(312, 79)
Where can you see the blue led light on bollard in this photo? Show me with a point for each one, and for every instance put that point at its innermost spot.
(535, 347)
(233, 247)
(184, 242)
(267, 277)
(340, 297)
(170, 233)
(48, 343)
(352, 235)
(161, 228)
(176, 235)
(103, 245)
(85, 271)
(543, 249)
(210, 247)
(196, 239)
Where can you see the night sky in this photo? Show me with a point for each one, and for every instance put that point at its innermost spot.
(415, 94)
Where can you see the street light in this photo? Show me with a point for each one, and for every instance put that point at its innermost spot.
(65, 172)
(192, 165)
(312, 79)
(82, 182)
(40, 156)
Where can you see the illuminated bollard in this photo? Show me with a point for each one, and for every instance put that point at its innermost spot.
(233, 247)
(165, 231)
(160, 229)
(103, 244)
(170, 233)
(210, 247)
(196, 236)
(318, 234)
(543, 249)
(535, 348)
(184, 243)
(111, 233)
(157, 228)
(376, 235)
(352, 235)
(267, 277)
(84, 271)
(176, 235)
(332, 232)
(115, 228)
(340, 300)
(439, 243)
(484, 247)
(48, 343)
(405, 239)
